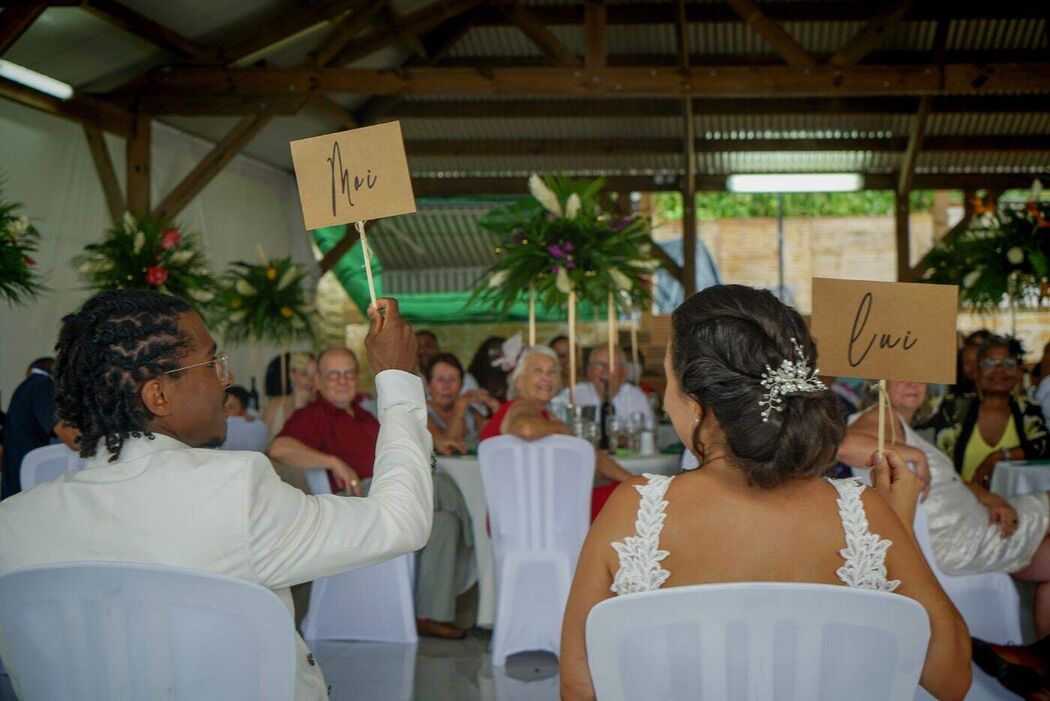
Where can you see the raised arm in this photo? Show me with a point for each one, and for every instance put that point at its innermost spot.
(524, 420)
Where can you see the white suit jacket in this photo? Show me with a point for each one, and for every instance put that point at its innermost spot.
(163, 502)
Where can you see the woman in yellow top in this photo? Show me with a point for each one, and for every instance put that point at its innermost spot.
(980, 430)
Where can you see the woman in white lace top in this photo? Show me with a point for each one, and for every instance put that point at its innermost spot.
(743, 394)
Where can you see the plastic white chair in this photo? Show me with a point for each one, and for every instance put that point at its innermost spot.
(48, 463)
(372, 603)
(539, 496)
(242, 434)
(757, 641)
(111, 631)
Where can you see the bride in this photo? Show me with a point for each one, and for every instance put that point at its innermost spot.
(743, 395)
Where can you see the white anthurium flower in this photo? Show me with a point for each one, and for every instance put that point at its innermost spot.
(619, 279)
(238, 316)
(971, 278)
(180, 257)
(202, 295)
(498, 278)
(928, 274)
(244, 287)
(18, 226)
(572, 206)
(1015, 255)
(140, 241)
(129, 223)
(563, 282)
(650, 264)
(288, 278)
(1037, 189)
(261, 253)
(199, 271)
(544, 195)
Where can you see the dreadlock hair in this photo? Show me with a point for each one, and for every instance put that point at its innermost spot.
(105, 352)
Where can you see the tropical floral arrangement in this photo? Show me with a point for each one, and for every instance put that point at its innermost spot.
(560, 240)
(151, 254)
(267, 301)
(19, 278)
(1004, 256)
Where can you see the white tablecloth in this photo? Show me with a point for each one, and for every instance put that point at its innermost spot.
(466, 472)
(1015, 477)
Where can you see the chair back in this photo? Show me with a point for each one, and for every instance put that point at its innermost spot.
(538, 495)
(757, 641)
(110, 631)
(373, 603)
(242, 434)
(48, 463)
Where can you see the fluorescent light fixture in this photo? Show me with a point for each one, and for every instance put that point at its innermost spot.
(796, 182)
(37, 81)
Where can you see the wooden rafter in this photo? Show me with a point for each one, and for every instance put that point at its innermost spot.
(15, 20)
(138, 167)
(325, 105)
(669, 264)
(713, 81)
(687, 272)
(594, 33)
(545, 40)
(210, 166)
(107, 176)
(409, 26)
(134, 22)
(294, 22)
(782, 42)
(84, 109)
(343, 32)
(872, 34)
(339, 250)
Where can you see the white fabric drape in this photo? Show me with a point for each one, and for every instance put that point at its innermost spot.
(45, 164)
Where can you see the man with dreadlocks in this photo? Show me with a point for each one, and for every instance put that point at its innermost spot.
(140, 377)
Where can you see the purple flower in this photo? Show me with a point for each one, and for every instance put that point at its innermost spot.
(555, 251)
(570, 265)
(567, 246)
(622, 223)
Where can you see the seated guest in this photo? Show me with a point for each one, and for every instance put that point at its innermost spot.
(759, 508)
(243, 431)
(31, 423)
(453, 419)
(299, 390)
(626, 398)
(333, 432)
(560, 346)
(533, 382)
(429, 346)
(979, 430)
(489, 376)
(139, 376)
(1042, 391)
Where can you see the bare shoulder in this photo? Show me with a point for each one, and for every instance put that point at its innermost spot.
(867, 421)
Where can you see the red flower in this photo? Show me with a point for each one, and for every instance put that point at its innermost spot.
(170, 239)
(28, 261)
(156, 275)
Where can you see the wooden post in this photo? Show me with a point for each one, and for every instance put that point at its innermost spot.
(107, 176)
(611, 313)
(902, 210)
(532, 314)
(137, 153)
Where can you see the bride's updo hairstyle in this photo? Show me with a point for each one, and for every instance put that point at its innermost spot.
(723, 339)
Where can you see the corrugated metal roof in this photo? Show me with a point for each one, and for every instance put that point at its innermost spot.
(550, 128)
(1035, 162)
(1004, 123)
(434, 237)
(989, 34)
(802, 126)
(796, 162)
(505, 166)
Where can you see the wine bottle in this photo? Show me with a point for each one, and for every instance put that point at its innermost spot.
(604, 413)
(253, 397)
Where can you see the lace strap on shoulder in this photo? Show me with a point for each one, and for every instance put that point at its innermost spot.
(865, 552)
(639, 555)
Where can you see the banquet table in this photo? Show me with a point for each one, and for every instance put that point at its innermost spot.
(466, 473)
(1016, 477)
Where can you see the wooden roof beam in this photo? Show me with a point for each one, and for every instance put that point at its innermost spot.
(84, 109)
(107, 175)
(134, 22)
(344, 31)
(782, 42)
(720, 81)
(915, 139)
(257, 42)
(14, 21)
(872, 34)
(594, 33)
(538, 33)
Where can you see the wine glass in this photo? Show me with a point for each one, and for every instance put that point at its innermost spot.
(614, 426)
(635, 423)
(592, 433)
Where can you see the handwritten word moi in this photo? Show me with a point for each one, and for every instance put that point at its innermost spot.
(885, 340)
(369, 181)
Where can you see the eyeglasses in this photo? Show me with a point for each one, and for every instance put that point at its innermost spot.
(335, 375)
(1005, 363)
(221, 361)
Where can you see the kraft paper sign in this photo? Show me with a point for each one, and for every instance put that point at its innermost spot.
(353, 176)
(885, 330)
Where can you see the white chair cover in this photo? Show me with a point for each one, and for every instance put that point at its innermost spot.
(120, 631)
(370, 603)
(757, 642)
(47, 463)
(242, 434)
(538, 495)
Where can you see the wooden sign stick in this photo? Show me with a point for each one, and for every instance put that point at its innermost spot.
(634, 347)
(366, 251)
(532, 314)
(882, 417)
(572, 346)
(612, 336)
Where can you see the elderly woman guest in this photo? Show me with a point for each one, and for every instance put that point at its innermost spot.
(759, 508)
(453, 419)
(977, 431)
(532, 384)
(300, 391)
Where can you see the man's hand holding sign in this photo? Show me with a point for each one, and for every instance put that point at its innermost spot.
(886, 331)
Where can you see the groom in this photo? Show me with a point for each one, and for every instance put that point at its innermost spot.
(140, 377)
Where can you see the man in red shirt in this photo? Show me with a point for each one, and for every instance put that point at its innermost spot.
(334, 432)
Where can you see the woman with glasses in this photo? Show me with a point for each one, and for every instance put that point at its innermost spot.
(979, 430)
(299, 391)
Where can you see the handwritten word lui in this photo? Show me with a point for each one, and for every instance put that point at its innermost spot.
(858, 349)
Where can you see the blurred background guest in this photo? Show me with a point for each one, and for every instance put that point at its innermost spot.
(560, 346)
(243, 430)
(454, 421)
(626, 398)
(299, 390)
(489, 377)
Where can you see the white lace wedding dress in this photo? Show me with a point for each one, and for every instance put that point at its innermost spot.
(864, 556)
